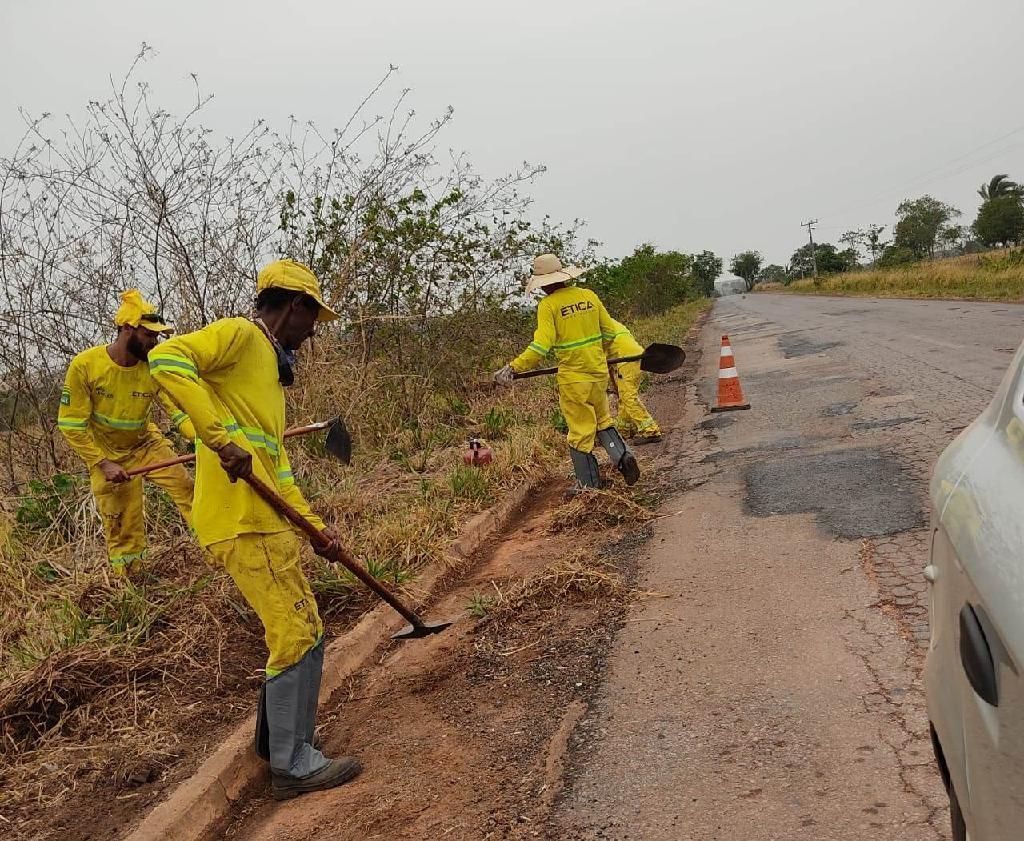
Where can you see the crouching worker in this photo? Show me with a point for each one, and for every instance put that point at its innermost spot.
(573, 322)
(104, 414)
(633, 419)
(230, 378)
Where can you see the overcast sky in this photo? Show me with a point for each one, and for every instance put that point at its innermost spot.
(719, 124)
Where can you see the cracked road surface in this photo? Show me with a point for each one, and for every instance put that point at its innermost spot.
(770, 689)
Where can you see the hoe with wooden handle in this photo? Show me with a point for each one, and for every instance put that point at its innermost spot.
(338, 444)
(417, 627)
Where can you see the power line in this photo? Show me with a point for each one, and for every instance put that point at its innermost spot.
(941, 171)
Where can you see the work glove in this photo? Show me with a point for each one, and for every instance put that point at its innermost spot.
(504, 376)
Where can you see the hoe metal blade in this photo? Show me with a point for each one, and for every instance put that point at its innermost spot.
(421, 629)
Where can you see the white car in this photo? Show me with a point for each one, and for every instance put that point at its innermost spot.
(973, 674)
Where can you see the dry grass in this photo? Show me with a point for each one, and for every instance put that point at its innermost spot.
(599, 509)
(671, 327)
(578, 577)
(997, 276)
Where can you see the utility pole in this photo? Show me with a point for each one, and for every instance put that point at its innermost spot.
(810, 235)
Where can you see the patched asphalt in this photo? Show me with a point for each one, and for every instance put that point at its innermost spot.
(841, 488)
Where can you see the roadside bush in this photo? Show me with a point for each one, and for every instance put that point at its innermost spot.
(895, 255)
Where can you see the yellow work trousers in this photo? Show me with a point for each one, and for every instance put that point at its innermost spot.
(633, 414)
(121, 506)
(585, 409)
(267, 570)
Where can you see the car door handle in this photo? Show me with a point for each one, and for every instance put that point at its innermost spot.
(976, 657)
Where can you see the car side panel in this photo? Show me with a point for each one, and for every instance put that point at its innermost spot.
(978, 551)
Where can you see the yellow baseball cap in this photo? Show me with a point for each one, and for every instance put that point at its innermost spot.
(287, 274)
(136, 311)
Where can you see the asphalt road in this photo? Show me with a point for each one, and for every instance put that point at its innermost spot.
(770, 689)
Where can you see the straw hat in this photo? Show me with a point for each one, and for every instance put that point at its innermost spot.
(548, 269)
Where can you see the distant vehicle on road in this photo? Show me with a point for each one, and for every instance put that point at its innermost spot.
(973, 674)
(730, 286)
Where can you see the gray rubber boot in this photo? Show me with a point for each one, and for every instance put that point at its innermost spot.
(584, 465)
(619, 453)
(314, 664)
(289, 722)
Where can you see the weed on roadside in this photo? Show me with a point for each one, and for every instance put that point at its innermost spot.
(480, 605)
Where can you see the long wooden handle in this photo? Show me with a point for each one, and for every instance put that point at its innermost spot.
(190, 457)
(541, 372)
(321, 541)
(160, 465)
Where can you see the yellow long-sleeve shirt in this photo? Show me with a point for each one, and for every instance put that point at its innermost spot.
(225, 377)
(572, 322)
(621, 342)
(105, 408)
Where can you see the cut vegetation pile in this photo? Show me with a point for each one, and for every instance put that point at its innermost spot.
(599, 509)
(998, 276)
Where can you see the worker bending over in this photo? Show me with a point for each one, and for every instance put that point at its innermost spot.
(104, 414)
(573, 323)
(634, 421)
(230, 378)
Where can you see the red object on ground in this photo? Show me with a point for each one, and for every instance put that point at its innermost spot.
(477, 455)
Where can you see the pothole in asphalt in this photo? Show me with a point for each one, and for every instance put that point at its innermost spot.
(882, 423)
(796, 344)
(836, 409)
(719, 421)
(855, 493)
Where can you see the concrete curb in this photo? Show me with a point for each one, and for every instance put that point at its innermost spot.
(197, 806)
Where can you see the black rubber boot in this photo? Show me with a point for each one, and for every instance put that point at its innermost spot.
(337, 773)
(620, 454)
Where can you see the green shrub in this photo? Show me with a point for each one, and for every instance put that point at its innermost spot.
(468, 483)
(498, 421)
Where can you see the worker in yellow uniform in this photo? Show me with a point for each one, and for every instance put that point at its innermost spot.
(634, 421)
(572, 322)
(230, 378)
(104, 414)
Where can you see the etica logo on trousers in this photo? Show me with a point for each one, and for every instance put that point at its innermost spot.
(572, 309)
(300, 605)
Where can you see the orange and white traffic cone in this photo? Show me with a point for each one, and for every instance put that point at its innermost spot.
(730, 393)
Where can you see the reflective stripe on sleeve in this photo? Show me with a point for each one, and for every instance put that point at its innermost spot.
(72, 423)
(174, 365)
